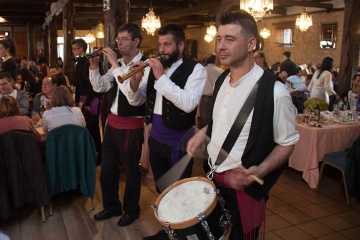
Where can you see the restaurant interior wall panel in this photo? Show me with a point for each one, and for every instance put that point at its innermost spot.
(306, 45)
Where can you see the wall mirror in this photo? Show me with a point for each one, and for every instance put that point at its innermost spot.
(328, 35)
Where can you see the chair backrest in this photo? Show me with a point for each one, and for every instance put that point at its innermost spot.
(22, 172)
(352, 168)
(311, 103)
(70, 160)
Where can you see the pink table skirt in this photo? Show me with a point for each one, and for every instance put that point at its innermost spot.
(314, 142)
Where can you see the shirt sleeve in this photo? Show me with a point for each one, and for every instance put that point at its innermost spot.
(285, 133)
(101, 83)
(185, 99)
(328, 84)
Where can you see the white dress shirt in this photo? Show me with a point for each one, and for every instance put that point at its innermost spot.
(230, 100)
(185, 99)
(58, 116)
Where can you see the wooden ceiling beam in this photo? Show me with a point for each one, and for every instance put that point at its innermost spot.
(305, 4)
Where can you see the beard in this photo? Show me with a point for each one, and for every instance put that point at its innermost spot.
(173, 57)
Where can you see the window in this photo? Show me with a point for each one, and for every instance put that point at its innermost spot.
(328, 35)
(284, 36)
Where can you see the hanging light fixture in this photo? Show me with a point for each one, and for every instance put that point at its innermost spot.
(303, 21)
(89, 38)
(208, 38)
(257, 8)
(211, 30)
(150, 22)
(265, 32)
(100, 30)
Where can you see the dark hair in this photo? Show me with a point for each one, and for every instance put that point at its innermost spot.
(355, 76)
(326, 65)
(62, 97)
(9, 44)
(9, 106)
(55, 66)
(241, 18)
(26, 75)
(133, 29)
(210, 59)
(6, 75)
(262, 55)
(297, 70)
(173, 29)
(80, 43)
(287, 54)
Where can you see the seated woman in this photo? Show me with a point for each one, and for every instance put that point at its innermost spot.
(62, 111)
(10, 119)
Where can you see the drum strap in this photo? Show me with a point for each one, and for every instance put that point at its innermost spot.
(238, 124)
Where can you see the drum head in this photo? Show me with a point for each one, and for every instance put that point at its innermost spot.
(184, 200)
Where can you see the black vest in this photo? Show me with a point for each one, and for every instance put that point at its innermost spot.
(124, 108)
(261, 139)
(172, 116)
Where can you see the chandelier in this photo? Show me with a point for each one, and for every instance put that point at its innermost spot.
(90, 38)
(100, 30)
(210, 32)
(150, 22)
(265, 32)
(303, 21)
(257, 8)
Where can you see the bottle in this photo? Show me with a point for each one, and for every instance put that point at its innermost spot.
(346, 105)
(317, 110)
(42, 107)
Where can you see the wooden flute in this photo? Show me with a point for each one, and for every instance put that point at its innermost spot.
(133, 71)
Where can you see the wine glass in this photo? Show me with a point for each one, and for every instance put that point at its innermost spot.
(307, 115)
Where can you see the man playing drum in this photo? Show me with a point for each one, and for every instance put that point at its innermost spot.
(267, 137)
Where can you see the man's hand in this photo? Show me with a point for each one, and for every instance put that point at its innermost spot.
(239, 178)
(136, 78)
(94, 62)
(156, 66)
(195, 144)
(111, 56)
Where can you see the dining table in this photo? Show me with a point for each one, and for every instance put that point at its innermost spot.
(317, 140)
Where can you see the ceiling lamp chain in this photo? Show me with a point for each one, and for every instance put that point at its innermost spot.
(150, 22)
(257, 8)
(304, 21)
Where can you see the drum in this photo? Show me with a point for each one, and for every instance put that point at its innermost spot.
(191, 209)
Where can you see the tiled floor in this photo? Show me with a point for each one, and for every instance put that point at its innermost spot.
(294, 211)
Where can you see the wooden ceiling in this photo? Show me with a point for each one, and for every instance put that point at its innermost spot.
(188, 13)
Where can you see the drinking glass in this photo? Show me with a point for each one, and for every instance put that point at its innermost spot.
(307, 115)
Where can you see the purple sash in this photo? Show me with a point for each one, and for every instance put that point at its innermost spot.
(94, 105)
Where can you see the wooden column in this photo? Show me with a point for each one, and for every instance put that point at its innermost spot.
(349, 58)
(113, 18)
(53, 42)
(69, 35)
(46, 38)
(30, 40)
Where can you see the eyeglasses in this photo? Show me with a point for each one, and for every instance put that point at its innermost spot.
(123, 39)
(74, 49)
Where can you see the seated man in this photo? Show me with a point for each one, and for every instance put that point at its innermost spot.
(7, 89)
(296, 82)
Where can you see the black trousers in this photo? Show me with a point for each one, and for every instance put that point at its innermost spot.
(121, 145)
(231, 204)
(92, 125)
(160, 160)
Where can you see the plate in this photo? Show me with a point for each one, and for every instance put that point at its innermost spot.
(347, 122)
